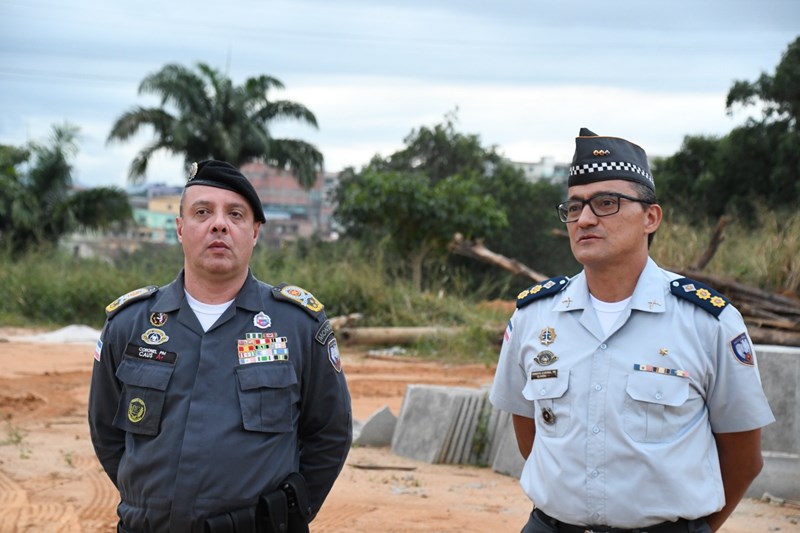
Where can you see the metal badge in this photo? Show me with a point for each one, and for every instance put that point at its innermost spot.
(547, 336)
(155, 336)
(262, 320)
(548, 416)
(158, 319)
(545, 358)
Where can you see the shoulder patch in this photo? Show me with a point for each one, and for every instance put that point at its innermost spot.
(699, 294)
(546, 288)
(125, 299)
(298, 296)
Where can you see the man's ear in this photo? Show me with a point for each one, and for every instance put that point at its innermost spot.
(653, 216)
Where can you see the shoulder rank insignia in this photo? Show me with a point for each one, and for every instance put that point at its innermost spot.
(125, 299)
(298, 296)
(699, 294)
(547, 287)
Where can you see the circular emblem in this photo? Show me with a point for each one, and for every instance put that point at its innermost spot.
(158, 319)
(154, 336)
(262, 320)
(703, 294)
(545, 358)
(136, 410)
(548, 416)
(716, 301)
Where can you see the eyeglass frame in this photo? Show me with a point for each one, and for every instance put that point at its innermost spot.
(588, 202)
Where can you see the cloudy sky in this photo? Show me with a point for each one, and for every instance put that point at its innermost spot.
(525, 75)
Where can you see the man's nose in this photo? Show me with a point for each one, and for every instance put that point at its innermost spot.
(220, 224)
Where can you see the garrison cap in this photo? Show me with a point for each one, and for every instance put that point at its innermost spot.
(599, 158)
(223, 175)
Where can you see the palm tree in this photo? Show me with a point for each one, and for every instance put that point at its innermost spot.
(204, 116)
(37, 203)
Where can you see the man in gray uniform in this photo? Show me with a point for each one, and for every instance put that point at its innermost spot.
(218, 402)
(634, 393)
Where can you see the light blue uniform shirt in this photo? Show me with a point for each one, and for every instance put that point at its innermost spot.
(625, 421)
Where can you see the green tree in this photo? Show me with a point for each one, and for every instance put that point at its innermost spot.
(203, 115)
(758, 162)
(418, 216)
(37, 202)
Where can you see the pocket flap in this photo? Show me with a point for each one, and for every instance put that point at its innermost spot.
(547, 388)
(658, 388)
(149, 374)
(268, 375)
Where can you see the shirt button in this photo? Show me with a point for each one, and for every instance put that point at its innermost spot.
(594, 473)
(542, 392)
(658, 396)
(596, 516)
(603, 346)
(598, 387)
(595, 430)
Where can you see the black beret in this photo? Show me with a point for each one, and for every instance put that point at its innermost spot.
(223, 175)
(600, 158)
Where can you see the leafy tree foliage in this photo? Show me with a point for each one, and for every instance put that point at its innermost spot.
(37, 203)
(203, 115)
(756, 162)
(441, 183)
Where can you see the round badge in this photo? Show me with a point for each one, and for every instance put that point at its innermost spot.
(545, 358)
(158, 319)
(548, 416)
(136, 410)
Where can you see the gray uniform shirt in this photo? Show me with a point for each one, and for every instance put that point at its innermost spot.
(625, 421)
(189, 423)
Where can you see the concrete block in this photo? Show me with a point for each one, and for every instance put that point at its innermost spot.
(780, 477)
(377, 430)
(507, 459)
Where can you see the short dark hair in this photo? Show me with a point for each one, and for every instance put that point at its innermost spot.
(647, 195)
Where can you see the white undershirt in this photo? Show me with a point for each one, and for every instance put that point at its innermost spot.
(608, 312)
(207, 314)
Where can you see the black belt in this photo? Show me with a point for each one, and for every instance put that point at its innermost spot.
(681, 526)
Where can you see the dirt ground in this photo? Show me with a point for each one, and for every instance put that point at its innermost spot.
(50, 480)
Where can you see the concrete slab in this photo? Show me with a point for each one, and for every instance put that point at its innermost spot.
(507, 460)
(377, 430)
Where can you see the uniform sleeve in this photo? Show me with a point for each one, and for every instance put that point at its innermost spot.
(736, 399)
(104, 395)
(326, 427)
(510, 377)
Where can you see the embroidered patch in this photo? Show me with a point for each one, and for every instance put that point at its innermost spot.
(158, 319)
(132, 296)
(701, 295)
(742, 349)
(155, 336)
(302, 296)
(509, 329)
(333, 355)
(324, 331)
(661, 370)
(97, 349)
(136, 410)
(540, 290)
(150, 354)
(262, 348)
(262, 320)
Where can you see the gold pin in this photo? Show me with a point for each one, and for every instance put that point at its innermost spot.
(547, 336)
(663, 351)
(652, 303)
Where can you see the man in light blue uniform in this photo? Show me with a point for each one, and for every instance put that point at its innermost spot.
(218, 403)
(635, 393)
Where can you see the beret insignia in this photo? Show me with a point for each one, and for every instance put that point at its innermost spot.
(546, 288)
(699, 294)
(125, 299)
(298, 296)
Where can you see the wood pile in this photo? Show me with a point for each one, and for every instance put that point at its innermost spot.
(771, 318)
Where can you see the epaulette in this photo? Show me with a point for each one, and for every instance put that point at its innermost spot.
(125, 299)
(547, 287)
(298, 296)
(699, 294)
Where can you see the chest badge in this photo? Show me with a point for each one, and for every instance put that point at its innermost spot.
(158, 319)
(155, 336)
(548, 416)
(262, 320)
(545, 358)
(547, 336)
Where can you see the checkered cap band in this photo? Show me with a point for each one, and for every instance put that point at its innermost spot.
(588, 168)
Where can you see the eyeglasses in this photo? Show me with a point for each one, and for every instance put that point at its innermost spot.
(602, 205)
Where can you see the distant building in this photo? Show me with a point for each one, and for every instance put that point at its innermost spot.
(154, 210)
(291, 211)
(545, 170)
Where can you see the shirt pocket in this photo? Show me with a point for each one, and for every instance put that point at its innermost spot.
(654, 406)
(265, 396)
(553, 405)
(144, 386)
